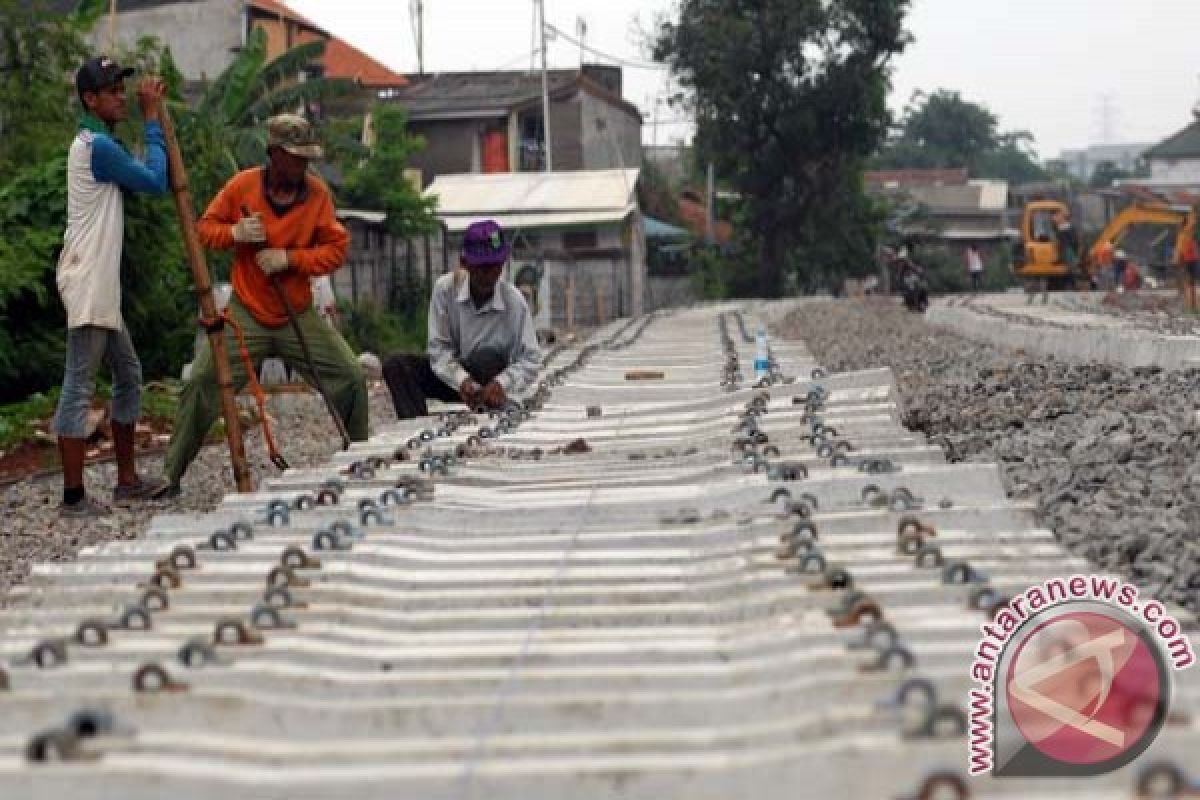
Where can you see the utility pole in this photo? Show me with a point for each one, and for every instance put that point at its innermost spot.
(545, 88)
(417, 9)
(709, 208)
(654, 122)
(581, 32)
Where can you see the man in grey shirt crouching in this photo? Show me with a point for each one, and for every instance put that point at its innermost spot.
(482, 343)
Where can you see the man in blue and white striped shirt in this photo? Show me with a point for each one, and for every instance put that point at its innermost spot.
(99, 168)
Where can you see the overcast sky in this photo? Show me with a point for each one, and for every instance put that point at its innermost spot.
(1069, 71)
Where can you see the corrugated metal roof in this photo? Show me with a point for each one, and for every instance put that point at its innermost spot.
(470, 95)
(536, 199)
(477, 93)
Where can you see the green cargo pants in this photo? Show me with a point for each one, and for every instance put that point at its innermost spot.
(200, 404)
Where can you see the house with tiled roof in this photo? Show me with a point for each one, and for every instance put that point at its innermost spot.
(285, 28)
(492, 122)
(1175, 161)
(206, 35)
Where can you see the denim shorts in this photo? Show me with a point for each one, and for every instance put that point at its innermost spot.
(87, 348)
(1192, 268)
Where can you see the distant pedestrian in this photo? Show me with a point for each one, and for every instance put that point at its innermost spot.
(975, 267)
(99, 173)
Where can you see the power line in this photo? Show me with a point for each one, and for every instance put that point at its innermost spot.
(623, 62)
(530, 55)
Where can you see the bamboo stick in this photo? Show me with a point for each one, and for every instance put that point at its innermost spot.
(208, 306)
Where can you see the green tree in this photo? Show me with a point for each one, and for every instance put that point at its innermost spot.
(226, 130)
(942, 130)
(223, 134)
(158, 308)
(37, 49)
(790, 100)
(379, 182)
(1107, 173)
(656, 197)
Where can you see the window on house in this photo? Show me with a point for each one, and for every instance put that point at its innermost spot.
(579, 240)
(532, 144)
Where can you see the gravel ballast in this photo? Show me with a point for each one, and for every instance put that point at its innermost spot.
(1108, 455)
(33, 532)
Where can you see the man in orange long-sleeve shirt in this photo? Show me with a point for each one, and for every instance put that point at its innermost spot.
(280, 221)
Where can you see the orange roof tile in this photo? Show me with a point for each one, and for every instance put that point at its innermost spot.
(344, 60)
(341, 59)
(276, 8)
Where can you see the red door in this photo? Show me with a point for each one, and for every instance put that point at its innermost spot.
(495, 151)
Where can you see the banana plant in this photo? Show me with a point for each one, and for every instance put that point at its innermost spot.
(225, 130)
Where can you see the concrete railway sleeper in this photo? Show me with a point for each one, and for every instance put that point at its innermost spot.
(652, 565)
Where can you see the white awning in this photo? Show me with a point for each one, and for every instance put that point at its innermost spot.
(372, 217)
(549, 219)
(531, 200)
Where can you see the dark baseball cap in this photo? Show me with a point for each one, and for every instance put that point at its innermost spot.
(99, 73)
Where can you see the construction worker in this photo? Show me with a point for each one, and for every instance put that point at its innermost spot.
(1131, 277)
(1104, 254)
(482, 343)
(1120, 262)
(280, 222)
(99, 169)
(1064, 233)
(1191, 274)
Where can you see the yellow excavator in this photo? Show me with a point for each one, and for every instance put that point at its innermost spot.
(1040, 257)
(1154, 234)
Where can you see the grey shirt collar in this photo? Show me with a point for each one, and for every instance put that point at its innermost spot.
(496, 303)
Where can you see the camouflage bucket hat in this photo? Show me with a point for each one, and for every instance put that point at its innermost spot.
(294, 135)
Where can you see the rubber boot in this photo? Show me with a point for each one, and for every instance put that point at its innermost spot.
(72, 451)
(123, 446)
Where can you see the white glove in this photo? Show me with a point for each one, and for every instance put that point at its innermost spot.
(271, 260)
(249, 230)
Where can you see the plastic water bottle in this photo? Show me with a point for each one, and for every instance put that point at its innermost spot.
(762, 359)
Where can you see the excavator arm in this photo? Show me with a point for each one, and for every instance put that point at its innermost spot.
(1182, 218)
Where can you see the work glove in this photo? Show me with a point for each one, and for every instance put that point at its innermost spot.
(469, 392)
(249, 230)
(493, 395)
(272, 260)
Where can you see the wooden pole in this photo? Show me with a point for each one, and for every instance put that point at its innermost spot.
(208, 306)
